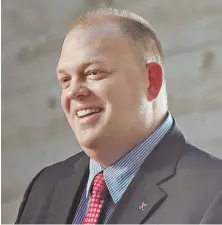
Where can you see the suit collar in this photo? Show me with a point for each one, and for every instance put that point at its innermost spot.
(159, 167)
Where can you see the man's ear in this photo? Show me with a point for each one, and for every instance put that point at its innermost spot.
(155, 77)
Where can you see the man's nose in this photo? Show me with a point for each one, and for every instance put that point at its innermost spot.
(77, 91)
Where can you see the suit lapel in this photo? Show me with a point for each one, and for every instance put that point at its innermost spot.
(143, 196)
(65, 193)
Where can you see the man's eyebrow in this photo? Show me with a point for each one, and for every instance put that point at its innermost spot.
(94, 60)
(61, 71)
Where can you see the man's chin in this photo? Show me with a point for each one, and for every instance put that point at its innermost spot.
(90, 137)
(89, 141)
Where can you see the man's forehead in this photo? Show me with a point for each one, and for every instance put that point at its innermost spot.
(93, 44)
(87, 60)
(88, 49)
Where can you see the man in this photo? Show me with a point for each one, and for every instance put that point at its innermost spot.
(136, 167)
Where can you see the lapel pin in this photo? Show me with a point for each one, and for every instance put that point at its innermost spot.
(142, 206)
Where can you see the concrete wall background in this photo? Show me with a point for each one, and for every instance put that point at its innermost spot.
(34, 130)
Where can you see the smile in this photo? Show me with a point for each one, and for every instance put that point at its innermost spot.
(87, 112)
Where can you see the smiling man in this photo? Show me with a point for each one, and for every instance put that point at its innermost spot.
(136, 166)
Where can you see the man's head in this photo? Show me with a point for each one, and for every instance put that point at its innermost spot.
(111, 62)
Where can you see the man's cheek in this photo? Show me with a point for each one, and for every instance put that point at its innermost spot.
(111, 90)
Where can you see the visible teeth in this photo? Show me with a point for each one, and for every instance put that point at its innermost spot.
(87, 111)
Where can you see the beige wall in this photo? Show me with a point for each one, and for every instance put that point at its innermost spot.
(34, 130)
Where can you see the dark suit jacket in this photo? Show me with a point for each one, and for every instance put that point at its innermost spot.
(178, 182)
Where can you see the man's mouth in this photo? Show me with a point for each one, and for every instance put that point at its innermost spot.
(86, 112)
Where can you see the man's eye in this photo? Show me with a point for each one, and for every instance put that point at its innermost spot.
(93, 72)
(64, 82)
(65, 79)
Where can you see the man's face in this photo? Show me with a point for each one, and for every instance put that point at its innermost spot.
(99, 72)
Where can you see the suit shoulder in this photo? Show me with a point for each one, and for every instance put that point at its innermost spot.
(52, 173)
(43, 184)
(196, 156)
(198, 164)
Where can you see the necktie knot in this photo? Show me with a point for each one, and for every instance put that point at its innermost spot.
(99, 189)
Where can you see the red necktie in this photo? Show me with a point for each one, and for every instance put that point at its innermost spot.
(99, 193)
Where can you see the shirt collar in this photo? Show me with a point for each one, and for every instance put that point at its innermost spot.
(119, 175)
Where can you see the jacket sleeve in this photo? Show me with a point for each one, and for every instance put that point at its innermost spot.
(26, 196)
(213, 214)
